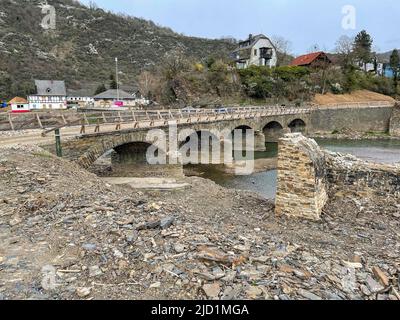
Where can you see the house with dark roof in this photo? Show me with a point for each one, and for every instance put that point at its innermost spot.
(114, 97)
(314, 59)
(256, 50)
(80, 98)
(50, 94)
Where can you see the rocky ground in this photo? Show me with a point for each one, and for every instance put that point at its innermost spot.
(66, 234)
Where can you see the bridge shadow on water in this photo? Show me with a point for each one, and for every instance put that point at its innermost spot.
(262, 181)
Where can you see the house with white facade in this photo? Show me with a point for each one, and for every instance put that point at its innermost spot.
(256, 50)
(50, 94)
(19, 105)
(82, 101)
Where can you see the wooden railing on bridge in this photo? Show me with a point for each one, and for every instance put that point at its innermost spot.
(148, 118)
(136, 118)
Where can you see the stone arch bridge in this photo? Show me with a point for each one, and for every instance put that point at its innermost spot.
(130, 136)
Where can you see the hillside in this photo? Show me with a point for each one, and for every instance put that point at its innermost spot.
(385, 57)
(83, 46)
(359, 96)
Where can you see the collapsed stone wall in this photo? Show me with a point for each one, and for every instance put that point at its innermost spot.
(362, 178)
(394, 128)
(307, 175)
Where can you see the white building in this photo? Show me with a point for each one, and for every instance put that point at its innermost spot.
(256, 50)
(19, 105)
(370, 67)
(114, 97)
(50, 94)
(81, 101)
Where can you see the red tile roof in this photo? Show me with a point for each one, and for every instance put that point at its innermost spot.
(18, 100)
(306, 59)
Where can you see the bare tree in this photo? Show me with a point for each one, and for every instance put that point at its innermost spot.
(148, 84)
(345, 51)
(283, 48)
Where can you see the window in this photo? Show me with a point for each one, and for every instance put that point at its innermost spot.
(255, 52)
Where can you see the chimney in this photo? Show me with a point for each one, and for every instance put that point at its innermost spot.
(250, 37)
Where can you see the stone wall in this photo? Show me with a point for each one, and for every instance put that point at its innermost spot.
(355, 119)
(302, 190)
(394, 128)
(357, 177)
(307, 175)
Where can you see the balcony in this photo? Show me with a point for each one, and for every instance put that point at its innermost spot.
(266, 53)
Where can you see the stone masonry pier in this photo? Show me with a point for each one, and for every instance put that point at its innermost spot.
(302, 188)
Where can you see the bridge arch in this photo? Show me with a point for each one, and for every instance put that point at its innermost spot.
(134, 153)
(273, 131)
(200, 147)
(297, 125)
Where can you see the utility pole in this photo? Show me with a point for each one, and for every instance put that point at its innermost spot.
(116, 77)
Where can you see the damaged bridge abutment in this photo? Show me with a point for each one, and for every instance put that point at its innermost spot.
(307, 175)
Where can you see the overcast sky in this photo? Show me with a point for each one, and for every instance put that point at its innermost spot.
(303, 22)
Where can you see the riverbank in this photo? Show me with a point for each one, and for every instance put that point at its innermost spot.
(348, 135)
(66, 234)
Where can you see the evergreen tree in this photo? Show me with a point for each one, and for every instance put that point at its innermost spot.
(113, 83)
(395, 65)
(101, 88)
(363, 48)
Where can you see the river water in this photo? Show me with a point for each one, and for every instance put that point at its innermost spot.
(264, 183)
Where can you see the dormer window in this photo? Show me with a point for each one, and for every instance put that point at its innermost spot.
(48, 90)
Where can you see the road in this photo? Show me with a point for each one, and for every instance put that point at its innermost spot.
(35, 137)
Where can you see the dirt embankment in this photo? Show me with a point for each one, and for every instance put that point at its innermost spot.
(360, 96)
(65, 234)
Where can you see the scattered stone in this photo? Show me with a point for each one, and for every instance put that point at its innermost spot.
(308, 295)
(230, 294)
(383, 279)
(352, 265)
(131, 236)
(210, 254)
(155, 285)
(118, 254)
(16, 220)
(94, 228)
(253, 292)
(372, 285)
(83, 292)
(179, 248)
(166, 222)
(212, 290)
(95, 271)
(89, 247)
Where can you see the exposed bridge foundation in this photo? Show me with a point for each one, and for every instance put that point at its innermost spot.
(302, 189)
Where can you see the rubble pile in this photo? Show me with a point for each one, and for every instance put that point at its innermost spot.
(65, 234)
